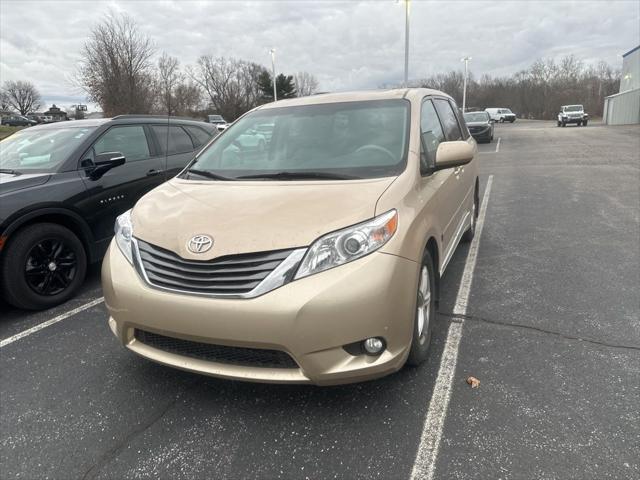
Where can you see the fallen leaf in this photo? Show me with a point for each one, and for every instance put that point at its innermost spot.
(473, 381)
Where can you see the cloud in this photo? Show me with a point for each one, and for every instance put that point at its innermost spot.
(347, 45)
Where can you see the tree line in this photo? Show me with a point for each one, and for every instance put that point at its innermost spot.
(536, 92)
(118, 71)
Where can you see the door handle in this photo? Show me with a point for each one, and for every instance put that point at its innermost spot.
(154, 172)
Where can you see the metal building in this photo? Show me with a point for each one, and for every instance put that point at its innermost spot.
(624, 107)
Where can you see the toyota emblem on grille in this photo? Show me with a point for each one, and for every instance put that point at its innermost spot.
(200, 243)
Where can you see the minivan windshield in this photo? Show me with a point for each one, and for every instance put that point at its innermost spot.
(350, 140)
(40, 151)
(476, 117)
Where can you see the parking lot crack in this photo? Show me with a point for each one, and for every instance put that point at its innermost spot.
(458, 318)
(95, 469)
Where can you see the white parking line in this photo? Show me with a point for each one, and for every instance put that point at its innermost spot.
(425, 463)
(48, 323)
(498, 145)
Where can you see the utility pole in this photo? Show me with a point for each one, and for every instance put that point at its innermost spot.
(273, 69)
(406, 42)
(464, 88)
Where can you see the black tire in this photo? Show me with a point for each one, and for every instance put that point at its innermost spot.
(502, 120)
(559, 123)
(53, 254)
(579, 124)
(584, 123)
(471, 231)
(564, 124)
(420, 342)
(512, 120)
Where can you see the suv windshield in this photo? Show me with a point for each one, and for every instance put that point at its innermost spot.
(573, 108)
(351, 140)
(40, 151)
(476, 117)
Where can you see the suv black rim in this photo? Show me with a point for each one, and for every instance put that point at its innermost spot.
(50, 267)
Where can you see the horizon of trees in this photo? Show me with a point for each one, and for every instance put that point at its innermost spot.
(536, 92)
(118, 72)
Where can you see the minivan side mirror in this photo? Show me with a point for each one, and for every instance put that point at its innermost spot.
(102, 163)
(453, 154)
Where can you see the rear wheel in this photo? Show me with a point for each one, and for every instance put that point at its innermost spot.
(564, 124)
(425, 312)
(43, 265)
(471, 231)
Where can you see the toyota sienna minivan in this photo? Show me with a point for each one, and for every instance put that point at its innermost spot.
(314, 256)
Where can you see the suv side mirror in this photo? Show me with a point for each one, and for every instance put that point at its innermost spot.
(104, 162)
(453, 154)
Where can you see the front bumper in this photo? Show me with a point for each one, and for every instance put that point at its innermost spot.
(480, 133)
(568, 120)
(310, 319)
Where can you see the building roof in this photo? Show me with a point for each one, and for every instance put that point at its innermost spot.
(631, 51)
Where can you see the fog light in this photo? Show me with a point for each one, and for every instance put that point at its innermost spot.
(373, 345)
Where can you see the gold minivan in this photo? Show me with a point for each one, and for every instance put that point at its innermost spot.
(305, 244)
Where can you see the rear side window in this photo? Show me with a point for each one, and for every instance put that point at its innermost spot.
(129, 140)
(178, 140)
(432, 134)
(448, 118)
(199, 136)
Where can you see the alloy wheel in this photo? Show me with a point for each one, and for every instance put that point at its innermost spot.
(50, 267)
(424, 303)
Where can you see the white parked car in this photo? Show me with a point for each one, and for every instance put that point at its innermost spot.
(572, 114)
(501, 114)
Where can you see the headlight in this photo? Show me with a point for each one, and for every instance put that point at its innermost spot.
(124, 233)
(348, 244)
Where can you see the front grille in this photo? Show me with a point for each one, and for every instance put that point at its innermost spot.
(247, 357)
(230, 275)
(476, 129)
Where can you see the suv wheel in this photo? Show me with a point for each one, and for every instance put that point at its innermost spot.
(425, 313)
(43, 265)
(564, 124)
(584, 123)
(471, 231)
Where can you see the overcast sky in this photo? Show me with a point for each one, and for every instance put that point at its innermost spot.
(346, 45)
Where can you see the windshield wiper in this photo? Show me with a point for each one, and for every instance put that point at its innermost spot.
(299, 176)
(9, 171)
(207, 174)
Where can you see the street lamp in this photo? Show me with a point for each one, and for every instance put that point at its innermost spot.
(406, 41)
(273, 69)
(464, 88)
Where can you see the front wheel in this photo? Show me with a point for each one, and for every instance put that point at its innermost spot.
(501, 120)
(44, 265)
(584, 123)
(559, 123)
(425, 312)
(564, 124)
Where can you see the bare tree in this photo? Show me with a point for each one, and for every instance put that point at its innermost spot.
(21, 96)
(231, 85)
(187, 97)
(306, 84)
(168, 78)
(538, 91)
(116, 69)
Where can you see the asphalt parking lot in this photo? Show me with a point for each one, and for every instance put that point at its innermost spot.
(551, 328)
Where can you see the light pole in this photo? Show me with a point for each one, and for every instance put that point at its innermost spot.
(273, 69)
(407, 4)
(464, 88)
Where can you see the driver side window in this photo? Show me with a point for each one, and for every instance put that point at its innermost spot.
(432, 135)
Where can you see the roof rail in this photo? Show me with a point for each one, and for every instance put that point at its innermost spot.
(164, 117)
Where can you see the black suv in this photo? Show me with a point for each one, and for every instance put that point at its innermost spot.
(62, 185)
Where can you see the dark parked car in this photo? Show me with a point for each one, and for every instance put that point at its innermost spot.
(62, 185)
(18, 121)
(480, 125)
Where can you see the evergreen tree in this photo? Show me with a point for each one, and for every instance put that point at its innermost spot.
(285, 86)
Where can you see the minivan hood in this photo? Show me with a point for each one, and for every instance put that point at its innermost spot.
(10, 182)
(483, 123)
(244, 217)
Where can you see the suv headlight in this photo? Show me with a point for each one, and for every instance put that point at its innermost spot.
(124, 233)
(348, 244)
